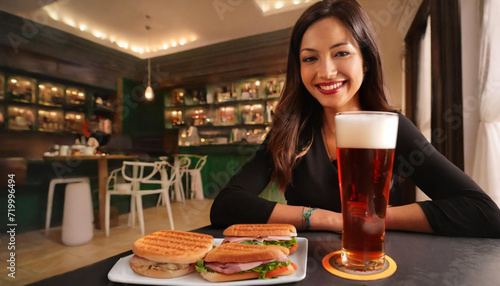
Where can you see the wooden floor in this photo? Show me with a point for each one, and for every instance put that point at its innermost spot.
(39, 257)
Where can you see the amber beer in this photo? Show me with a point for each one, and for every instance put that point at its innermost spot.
(365, 155)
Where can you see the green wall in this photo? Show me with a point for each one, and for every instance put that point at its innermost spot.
(141, 117)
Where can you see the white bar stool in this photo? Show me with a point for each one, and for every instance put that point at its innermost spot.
(50, 197)
(77, 226)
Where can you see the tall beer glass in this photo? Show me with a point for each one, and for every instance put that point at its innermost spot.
(365, 155)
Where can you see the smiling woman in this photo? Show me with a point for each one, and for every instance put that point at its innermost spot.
(334, 65)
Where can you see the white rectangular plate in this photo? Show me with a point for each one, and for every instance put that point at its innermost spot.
(122, 273)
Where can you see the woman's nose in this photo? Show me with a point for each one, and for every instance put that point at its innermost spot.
(327, 69)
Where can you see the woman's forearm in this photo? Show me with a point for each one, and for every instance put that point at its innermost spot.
(408, 217)
(319, 220)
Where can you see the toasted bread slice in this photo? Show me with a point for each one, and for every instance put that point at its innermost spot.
(238, 252)
(148, 268)
(260, 230)
(173, 246)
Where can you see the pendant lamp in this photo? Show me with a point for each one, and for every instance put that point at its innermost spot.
(149, 94)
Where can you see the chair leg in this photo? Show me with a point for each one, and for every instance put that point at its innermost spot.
(162, 200)
(197, 191)
(131, 216)
(140, 213)
(169, 211)
(179, 190)
(188, 187)
(107, 213)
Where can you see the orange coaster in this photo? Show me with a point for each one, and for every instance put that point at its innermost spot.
(331, 266)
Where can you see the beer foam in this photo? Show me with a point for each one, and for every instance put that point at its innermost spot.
(366, 130)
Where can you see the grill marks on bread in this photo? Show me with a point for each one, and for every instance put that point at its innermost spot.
(173, 246)
(259, 229)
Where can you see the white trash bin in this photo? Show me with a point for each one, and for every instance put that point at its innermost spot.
(77, 226)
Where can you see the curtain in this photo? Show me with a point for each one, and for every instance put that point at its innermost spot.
(424, 82)
(486, 165)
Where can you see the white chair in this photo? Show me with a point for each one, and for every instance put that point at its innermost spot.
(180, 165)
(128, 180)
(194, 181)
(50, 198)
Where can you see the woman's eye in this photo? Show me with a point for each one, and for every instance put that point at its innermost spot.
(308, 59)
(342, 54)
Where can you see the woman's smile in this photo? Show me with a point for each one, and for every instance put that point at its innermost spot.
(330, 87)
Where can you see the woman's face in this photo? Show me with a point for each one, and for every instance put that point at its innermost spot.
(331, 65)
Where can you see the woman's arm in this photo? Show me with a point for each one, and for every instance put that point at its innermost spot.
(459, 207)
(239, 201)
(409, 217)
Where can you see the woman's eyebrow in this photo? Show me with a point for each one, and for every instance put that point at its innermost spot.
(332, 47)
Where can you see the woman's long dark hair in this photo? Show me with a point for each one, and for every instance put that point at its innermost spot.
(298, 113)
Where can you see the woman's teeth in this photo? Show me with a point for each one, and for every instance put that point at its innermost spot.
(330, 87)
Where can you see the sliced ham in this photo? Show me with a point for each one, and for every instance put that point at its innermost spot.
(231, 268)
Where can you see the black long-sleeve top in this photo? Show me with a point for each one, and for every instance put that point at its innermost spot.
(458, 207)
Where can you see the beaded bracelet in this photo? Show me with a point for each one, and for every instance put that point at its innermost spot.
(306, 215)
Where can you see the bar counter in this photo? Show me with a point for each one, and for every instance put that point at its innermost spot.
(421, 259)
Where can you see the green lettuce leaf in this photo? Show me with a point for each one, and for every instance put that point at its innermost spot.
(284, 243)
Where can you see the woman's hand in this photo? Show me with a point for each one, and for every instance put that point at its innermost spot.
(326, 220)
(319, 220)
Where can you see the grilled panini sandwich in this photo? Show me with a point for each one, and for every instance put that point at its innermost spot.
(169, 253)
(238, 261)
(263, 234)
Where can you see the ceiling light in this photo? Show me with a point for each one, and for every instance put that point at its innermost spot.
(270, 7)
(55, 10)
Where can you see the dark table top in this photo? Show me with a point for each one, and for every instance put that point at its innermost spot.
(421, 259)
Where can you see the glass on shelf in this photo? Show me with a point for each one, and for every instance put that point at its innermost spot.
(173, 118)
(103, 104)
(177, 97)
(21, 88)
(189, 136)
(225, 93)
(270, 108)
(50, 94)
(195, 96)
(2, 85)
(274, 87)
(75, 96)
(50, 120)
(252, 113)
(21, 117)
(73, 121)
(249, 90)
(225, 115)
(198, 116)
